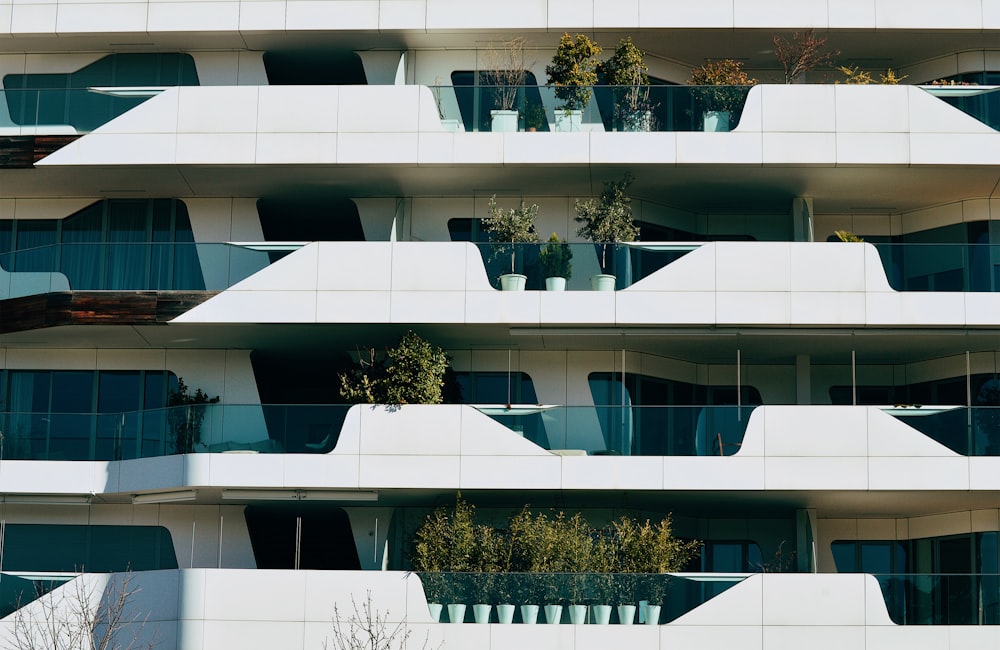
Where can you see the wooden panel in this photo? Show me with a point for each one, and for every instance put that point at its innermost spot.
(23, 151)
(96, 308)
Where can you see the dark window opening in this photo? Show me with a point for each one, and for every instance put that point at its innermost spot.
(68, 98)
(314, 68)
(304, 538)
(97, 549)
(308, 220)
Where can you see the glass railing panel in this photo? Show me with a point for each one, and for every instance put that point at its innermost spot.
(676, 594)
(968, 431)
(629, 263)
(628, 430)
(941, 267)
(942, 599)
(981, 102)
(608, 108)
(139, 266)
(18, 591)
(64, 111)
(198, 428)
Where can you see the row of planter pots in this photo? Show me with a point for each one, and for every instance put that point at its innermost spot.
(517, 281)
(599, 614)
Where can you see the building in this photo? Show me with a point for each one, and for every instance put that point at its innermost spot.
(243, 195)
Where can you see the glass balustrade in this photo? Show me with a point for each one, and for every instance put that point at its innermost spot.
(132, 266)
(942, 599)
(629, 430)
(212, 428)
(979, 101)
(675, 594)
(18, 591)
(609, 108)
(970, 431)
(579, 262)
(67, 111)
(941, 267)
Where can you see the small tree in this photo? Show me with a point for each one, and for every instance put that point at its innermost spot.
(626, 71)
(505, 61)
(573, 70)
(368, 629)
(185, 415)
(410, 373)
(720, 84)
(804, 52)
(514, 226)
(608, 220)
(555, 258)
(76, 617)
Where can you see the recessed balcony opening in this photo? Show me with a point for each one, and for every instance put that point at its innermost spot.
(310, 219)
(314, 68)
(302, 536)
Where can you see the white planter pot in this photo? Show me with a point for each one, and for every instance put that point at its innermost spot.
(577, 614)
(503, 121)
(716, 120)
(555, 284)
(481, 612)
(456, 613)
(626, 614)
(435, 609)
(505, 613)
(602, 282)
(512, 282)
(600, 614)
(638, 122)
(553, 614)
(529, 614)
(652, 615)
(567, 121)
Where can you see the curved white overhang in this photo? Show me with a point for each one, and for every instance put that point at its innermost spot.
(720, 283)
(801, 140)
(806, 454)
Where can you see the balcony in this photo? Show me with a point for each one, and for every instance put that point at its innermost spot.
(676, 594)
(613, 108)
(66, 111)
(133, 266)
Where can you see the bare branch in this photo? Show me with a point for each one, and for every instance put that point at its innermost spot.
(804, 52)
(368, 629)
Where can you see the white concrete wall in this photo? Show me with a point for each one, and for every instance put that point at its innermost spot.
(200, 608)
(780, 125)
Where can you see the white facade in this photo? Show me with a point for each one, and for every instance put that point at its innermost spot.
(246, 195)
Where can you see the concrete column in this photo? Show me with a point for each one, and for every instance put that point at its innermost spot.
(805, 540)
(370, 527)
(384, 68)
(802, 219)
(803, 379)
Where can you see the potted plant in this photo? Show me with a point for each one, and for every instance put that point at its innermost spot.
(512, 227)
(506, 69)
(626, 72)
(721, 92)
(607, 221)
(573, 72)
(185, 415)
(555, 261)
(534, 117)
(412, 372)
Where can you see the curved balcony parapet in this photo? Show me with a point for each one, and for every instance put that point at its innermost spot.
(806, 124)
(716, 283)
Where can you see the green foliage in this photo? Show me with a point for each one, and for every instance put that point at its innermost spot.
(185, 414)
(574, 70)
(514, 226)
(847, 236)
(555, 258)
(610, 218)
(626, 72)
(720, 85)
(410, 373)
(551, 544)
